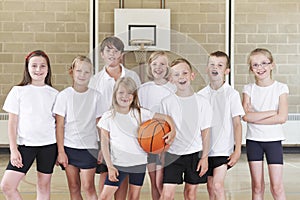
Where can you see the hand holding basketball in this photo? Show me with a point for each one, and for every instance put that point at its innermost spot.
(152, 135)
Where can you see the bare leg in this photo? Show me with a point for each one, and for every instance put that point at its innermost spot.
(257, 179)
(277, 189)
(87, 177)
(9, 184)
(74, 182)
(43, 186)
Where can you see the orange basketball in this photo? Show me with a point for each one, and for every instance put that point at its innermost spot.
(150, 135)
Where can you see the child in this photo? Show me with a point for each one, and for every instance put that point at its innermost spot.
(266, 107)
(150, 95)
(122, 153)
(188, 153)
(226, 131)
(31, 127)
(77, 109)
(111, 51)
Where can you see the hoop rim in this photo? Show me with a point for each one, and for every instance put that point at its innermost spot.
(141, 42)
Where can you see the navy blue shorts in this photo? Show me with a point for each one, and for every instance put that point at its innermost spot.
(136, 175)
(177, 166)
(217, 161)
(82, 158)
(45, 158)
(273, 151)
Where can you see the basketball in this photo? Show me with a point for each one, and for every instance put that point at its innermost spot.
(150, 135)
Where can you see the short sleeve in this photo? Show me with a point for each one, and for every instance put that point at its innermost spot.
(12, 101)
(247, 89)
(104, 121)
(236, 105)
(284, 89)
(60, 105)
(206, 114)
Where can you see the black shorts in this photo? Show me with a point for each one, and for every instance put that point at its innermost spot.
(182, 168)
(82, 158)
(217, 161)
(101, 168)
(136, 175)
(273, 151)
(45, 158)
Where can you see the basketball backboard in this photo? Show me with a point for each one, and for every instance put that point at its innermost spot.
(144, 25)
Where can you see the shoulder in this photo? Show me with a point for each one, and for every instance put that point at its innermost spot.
(282, 87)
(247, 88)
(204, 90)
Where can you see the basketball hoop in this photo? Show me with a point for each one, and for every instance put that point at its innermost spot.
(141, 51)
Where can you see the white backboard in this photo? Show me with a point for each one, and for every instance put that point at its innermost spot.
(143, 24)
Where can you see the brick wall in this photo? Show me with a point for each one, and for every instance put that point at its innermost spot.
(61, 28)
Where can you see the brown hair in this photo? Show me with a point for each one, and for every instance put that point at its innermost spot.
(181, 60)
(112, 41)
(26, 76)
(221, 54)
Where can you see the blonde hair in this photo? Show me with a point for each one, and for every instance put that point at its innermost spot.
(258, 51)
(153, 57)
(131, 87)
(78, 59)
(262, 51)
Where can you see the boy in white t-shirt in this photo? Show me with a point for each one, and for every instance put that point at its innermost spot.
(111, 51)
(188, 153)
(226, 131)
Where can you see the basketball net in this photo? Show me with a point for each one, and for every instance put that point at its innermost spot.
(141, 52)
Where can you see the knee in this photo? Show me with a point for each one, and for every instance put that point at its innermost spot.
(89, 188)
(258, 188)
(4, 187)
(189, 194)
(166, 195)
(218, 188)
(74, 188)
(277, 190)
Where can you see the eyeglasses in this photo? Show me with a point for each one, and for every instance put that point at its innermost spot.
(263, 64)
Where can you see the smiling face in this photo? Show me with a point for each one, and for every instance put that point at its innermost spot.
(111, 56)
(217, 68)
(82, 73)
(123, 97)
(38, 70)
(261, 66)
(159, 67)
(181, 76)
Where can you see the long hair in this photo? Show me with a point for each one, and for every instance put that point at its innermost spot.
(26, 76)
(131, 87)
(154, 56)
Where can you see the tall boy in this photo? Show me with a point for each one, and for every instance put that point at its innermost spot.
(192, 115)
(226, 131)
(112, 52)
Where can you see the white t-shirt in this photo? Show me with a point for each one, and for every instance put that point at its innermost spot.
(265, 99)
(104, 83)
(124, 147)
(33, 105)
(191, 115)
(80, 111)
(151, 94)
(226, 104)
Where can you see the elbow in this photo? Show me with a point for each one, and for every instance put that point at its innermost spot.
(283, 119)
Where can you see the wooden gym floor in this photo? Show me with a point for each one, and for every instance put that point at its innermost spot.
(237, 181)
